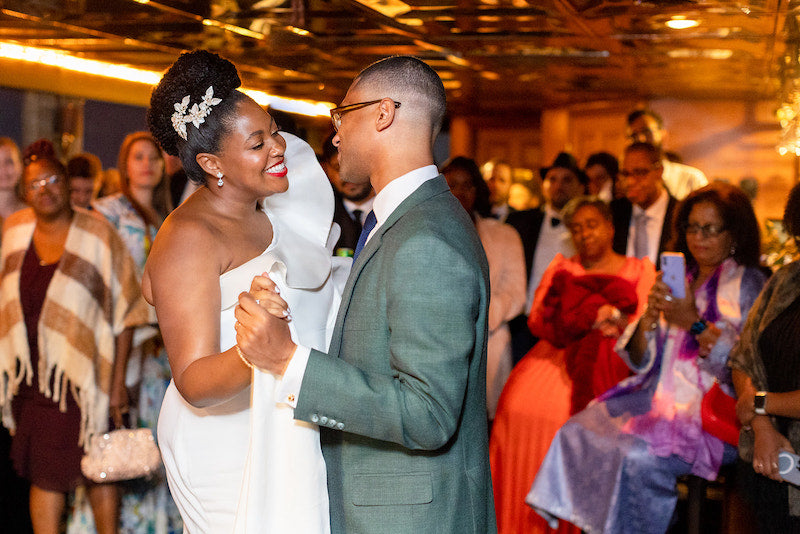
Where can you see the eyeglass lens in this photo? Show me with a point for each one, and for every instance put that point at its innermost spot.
(708, 230)
(49, 181)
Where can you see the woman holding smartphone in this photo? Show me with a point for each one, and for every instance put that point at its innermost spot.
(648, 430)
(766, 373)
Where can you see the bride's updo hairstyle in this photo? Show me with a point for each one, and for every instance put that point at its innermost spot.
(192, 75)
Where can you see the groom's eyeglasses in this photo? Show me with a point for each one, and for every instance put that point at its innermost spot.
(336, 113)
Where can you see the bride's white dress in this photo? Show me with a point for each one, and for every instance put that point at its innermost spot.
(233, 468)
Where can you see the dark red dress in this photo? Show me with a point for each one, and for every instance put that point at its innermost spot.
(45, 447)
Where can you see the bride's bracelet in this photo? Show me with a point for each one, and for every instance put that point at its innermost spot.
(241, 357)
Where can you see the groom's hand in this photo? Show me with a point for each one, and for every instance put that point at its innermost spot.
(263, 339)
(267, 294)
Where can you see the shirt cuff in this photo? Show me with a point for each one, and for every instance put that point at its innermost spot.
(289, 386)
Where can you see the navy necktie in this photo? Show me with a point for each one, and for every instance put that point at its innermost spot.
(369, 224)
(554, 221)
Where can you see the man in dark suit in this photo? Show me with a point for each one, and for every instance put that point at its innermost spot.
(643, 219)
(543, 236)
(499, 177)
(352, 202)
(401, 395)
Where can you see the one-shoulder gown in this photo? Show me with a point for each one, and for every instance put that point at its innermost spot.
(233, 468)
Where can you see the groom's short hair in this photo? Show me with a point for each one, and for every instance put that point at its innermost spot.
(411, 82)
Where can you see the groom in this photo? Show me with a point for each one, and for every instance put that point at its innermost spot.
(400, 397)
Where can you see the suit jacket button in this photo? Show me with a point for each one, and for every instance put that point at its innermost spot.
(314, 418)
(340, 426)
(323, 420)
(332, 423)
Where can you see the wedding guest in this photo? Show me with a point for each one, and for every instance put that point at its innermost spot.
(643, 217)
(543, 236)
(648, 430)
(602, 169)
(581, 306)
(499, 178)
(10, 173)
(13, 489)
(647, 126)
(766, 372)
(503, 249)
(137, 213)
(69, 300)
(352, 202)
(83, 171)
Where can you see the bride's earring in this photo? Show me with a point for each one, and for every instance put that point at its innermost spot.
(219, 182)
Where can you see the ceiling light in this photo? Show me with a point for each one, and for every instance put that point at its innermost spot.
(680, 22)
(56, 58)
(235, 29)
(302, 107)
(298, 31)
(62, 60)
(707, 53)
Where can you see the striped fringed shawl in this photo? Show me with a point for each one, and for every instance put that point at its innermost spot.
(93, 296)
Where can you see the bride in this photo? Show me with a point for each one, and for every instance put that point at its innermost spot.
(236, 459)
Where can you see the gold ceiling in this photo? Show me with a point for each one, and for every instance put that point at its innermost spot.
(500, 58)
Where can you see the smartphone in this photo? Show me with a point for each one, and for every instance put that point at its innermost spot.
(789, 467)
(673, 267)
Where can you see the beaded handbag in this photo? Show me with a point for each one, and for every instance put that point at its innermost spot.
(121, 454)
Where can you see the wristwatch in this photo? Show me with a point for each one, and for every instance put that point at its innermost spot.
(760, 403)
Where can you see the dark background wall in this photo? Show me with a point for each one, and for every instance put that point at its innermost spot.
(11, 113)
(105, 125)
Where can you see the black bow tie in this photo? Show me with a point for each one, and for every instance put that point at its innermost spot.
(554, 221)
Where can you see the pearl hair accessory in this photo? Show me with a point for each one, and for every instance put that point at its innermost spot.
(219, 182)
(196, 115)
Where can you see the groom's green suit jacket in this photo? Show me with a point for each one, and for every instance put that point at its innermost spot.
(401, 396)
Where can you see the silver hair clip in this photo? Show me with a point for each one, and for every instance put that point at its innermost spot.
(196, 115)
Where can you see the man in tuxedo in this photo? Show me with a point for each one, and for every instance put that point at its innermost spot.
(646, 126)
(352, 202)
(499, 178)
(543, 236)
(400, 397)
(643, 219)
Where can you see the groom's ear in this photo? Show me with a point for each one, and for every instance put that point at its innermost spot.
(209, 163)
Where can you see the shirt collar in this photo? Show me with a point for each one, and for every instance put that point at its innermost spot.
(657, 209)
(364, 206)
(550, 211)
(396, 191)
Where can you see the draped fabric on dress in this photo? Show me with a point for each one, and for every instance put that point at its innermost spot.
(539, 394)
(612, 466)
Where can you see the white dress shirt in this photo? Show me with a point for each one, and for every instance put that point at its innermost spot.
(385, 202)
(655, 223)
(365, 207)
(552, 240)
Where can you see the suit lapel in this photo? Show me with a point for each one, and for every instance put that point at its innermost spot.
(427, 190)
(621, 210)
